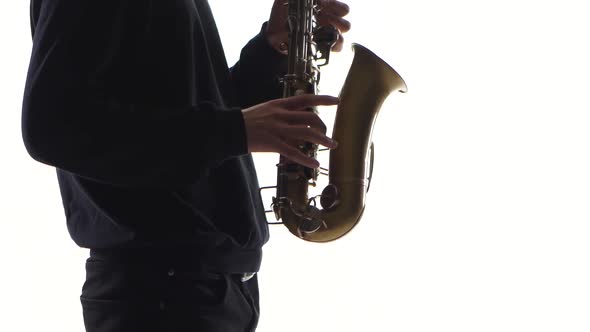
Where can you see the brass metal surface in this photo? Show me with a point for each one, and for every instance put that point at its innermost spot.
(369, 82)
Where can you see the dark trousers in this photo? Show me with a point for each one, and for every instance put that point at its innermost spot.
(156, 297)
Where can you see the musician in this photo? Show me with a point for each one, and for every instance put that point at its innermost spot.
(150, 133)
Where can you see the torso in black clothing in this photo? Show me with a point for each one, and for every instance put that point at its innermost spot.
(153, 150)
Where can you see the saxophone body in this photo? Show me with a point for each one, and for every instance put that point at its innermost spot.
(369, 82)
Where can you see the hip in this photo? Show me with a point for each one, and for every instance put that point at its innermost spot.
(166, 297)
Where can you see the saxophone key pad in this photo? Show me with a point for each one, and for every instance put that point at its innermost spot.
(311, 223)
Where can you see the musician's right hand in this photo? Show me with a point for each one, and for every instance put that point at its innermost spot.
(278, 125)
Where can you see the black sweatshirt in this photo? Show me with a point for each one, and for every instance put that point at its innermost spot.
(132, 101)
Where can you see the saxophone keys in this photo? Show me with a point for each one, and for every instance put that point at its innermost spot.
(311, 221)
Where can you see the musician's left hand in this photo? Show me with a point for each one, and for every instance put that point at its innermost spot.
(331, 13)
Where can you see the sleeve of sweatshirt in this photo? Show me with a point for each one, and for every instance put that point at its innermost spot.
(256, 76)
(65, 126)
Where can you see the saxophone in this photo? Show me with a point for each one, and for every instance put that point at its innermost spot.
(370, 80)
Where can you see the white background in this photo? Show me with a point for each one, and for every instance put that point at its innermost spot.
(478, 215)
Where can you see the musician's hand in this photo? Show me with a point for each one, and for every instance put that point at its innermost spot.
(278, 125)
(331, 13)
